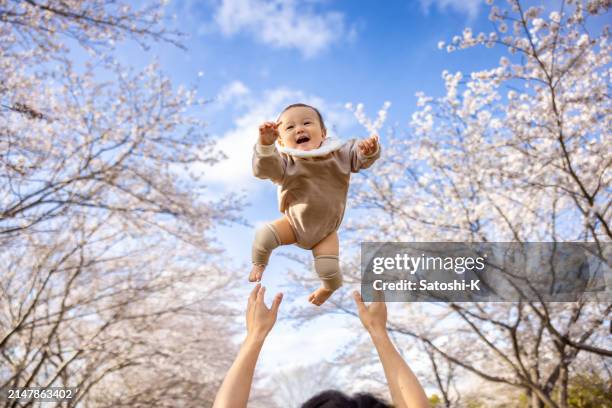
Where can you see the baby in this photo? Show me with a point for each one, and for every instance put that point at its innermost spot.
(313, 173)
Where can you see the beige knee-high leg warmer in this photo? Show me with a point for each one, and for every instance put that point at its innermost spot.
(328, 269)
(266, 240)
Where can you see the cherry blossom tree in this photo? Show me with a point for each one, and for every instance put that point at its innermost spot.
(110, 279)
(516, 153)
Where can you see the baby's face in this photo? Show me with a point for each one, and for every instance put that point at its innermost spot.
(301, 129)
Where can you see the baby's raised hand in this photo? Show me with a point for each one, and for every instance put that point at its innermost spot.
(268, 133)
(368, 146)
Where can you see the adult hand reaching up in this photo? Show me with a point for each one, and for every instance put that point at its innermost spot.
(260, 319)
(236, 387)
(405, 389)
(374, 316)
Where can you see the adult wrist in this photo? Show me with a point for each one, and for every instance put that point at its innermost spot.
(378, 333)
(255, 338)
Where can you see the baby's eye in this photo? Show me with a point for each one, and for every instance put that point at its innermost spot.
(307, 123)
(289, 127)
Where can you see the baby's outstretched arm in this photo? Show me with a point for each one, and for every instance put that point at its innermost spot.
(267, 163)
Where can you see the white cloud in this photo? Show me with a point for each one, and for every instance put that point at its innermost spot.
(282, 24)
(231, 92)
(468, 7)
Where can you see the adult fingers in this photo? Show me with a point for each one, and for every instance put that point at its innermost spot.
(251, 302)
(359, 302)
(260, 294)
(253, 294)
(276, 303)
(250, 306)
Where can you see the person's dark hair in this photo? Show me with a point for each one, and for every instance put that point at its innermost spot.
(303, 105)
(337, 399)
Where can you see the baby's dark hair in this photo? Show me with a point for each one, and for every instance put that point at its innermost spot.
(337, 399)
(303, 105)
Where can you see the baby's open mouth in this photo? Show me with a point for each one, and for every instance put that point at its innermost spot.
(302, 139)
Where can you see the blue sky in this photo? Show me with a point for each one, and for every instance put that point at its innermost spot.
(253, 57)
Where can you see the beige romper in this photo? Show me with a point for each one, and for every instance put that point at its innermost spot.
(313, 190)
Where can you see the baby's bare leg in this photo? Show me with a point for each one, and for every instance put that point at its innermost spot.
(285, 232)
(261, 252)
(327, 266)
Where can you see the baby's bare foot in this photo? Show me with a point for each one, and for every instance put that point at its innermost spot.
(319, 296)
(256, 273)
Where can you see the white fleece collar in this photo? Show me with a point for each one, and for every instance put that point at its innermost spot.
(330, 144)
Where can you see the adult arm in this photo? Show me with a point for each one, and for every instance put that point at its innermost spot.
(236, 387)
(405, 389)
